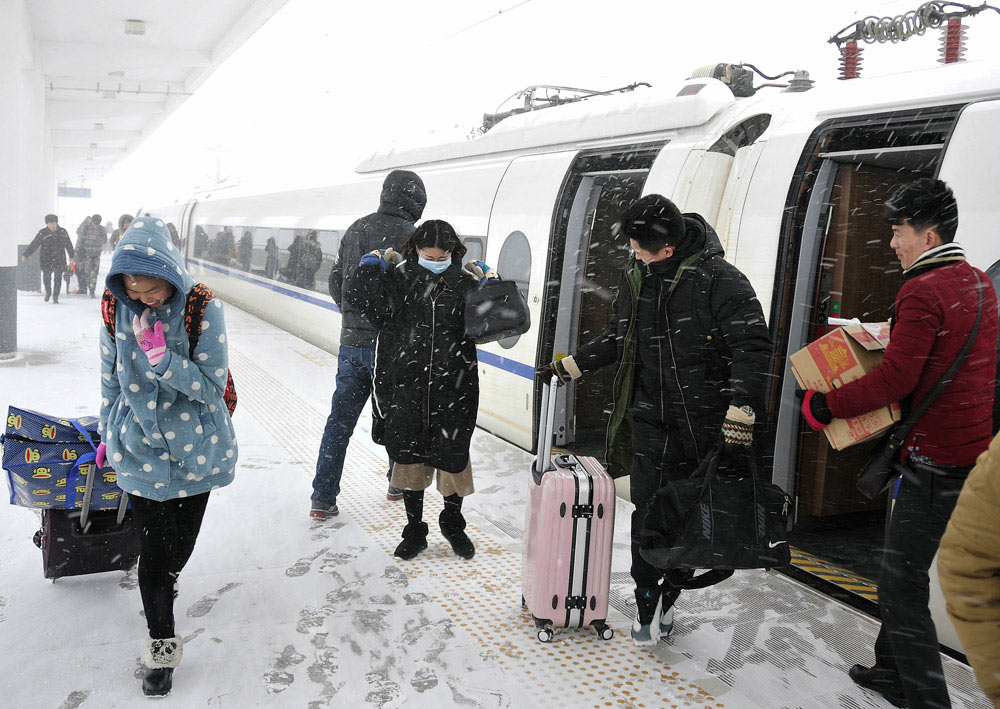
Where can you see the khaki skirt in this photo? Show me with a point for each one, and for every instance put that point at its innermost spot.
(418, 476)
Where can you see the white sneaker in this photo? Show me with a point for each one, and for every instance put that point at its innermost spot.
(645, 635)
(667, 623)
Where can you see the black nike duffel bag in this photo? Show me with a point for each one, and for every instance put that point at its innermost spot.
(713, 520)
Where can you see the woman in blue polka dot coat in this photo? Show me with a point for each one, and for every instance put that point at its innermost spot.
(164, 426)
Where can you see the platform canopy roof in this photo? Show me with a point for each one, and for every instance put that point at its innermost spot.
(115, 69)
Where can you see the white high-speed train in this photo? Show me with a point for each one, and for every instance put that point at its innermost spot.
(792, 181)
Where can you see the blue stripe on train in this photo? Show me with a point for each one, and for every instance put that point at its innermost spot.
(494, 360)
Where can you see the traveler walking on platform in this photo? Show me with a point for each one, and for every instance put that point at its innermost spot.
(426, 374)
(123, 223)
(245, 249)
(692, 349)
(90, 238)
(55, 244)
(401, 204)
(969, 569)
(933, 315)
(164, 426)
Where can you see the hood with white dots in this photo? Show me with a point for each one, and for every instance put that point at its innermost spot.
(146, 250)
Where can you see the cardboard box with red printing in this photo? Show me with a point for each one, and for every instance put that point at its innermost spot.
(839, 357)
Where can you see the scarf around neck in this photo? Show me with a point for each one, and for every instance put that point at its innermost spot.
(942, 255)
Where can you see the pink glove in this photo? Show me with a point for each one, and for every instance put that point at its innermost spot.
(102, 456)
(151, 340)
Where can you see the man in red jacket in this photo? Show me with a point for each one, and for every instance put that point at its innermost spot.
(933, 316)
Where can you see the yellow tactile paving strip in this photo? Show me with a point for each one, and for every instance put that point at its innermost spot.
(482, 595)
(846, 579)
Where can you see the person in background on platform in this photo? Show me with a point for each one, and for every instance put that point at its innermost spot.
(55, 244)
(969, 570)
(932, 317)
(123, 224)
(426, 373)
(692, 349)
(400, 206)
(90, 240)
(310, 258)
(271, 258)
(164, 426)
(245, 249)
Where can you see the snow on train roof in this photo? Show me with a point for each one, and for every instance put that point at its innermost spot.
(655, 111)
(636, 113)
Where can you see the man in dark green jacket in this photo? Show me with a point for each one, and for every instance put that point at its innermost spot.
(692, 348)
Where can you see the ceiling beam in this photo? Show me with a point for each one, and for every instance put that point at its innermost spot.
(97, 60)
(70, 153)
(100, 109)
(64, 137)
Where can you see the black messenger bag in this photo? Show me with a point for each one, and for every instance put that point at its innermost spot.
(717, 521)
(495, 310)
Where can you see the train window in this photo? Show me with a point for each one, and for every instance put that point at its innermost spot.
(329, 242)
(515, 265)
(265, 249)
(476, 246)
(244, 248)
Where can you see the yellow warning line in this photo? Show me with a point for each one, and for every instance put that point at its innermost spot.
(837, 575)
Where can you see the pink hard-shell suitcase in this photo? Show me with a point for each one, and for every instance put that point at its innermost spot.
(568, 533)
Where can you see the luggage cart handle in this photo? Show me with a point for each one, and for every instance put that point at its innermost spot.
(546, 424)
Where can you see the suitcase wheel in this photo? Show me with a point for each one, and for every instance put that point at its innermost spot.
(604, 631)
(545, 635)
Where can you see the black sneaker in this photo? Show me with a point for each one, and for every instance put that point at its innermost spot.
(414, 541)
(883, 681)
(321, 510)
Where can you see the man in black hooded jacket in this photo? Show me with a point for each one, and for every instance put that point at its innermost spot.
(401, 204)
(692, 348)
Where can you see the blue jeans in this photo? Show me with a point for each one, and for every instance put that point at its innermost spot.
(354, 387)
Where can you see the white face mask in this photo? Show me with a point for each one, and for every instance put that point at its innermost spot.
(437, 267)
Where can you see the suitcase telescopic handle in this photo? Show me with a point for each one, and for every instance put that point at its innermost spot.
(546, 424)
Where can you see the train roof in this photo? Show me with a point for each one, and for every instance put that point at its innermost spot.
(644, 115)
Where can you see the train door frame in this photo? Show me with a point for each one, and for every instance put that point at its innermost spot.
(186, 213)
(559, 327)
(788, 312)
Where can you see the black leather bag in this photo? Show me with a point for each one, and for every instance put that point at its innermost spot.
(882, 468)
(717, 521)
(495, 310)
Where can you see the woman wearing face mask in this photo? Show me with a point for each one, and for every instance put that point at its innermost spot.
(164, 425)
(426, 375)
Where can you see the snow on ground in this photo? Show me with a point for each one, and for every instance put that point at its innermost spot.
(280, 610)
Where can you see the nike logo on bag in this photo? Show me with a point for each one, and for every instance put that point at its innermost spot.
(774, 544)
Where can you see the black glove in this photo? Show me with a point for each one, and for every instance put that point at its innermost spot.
(559, 368)
(737, 431)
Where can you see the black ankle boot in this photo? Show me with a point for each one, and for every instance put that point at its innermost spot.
(880, 680)
(453, 528)
(158, 682)
(414, 540)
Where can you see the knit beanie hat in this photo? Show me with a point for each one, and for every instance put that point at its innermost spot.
(654, 221)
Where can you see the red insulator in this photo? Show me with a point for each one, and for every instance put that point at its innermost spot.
(850, 60)
(952, 42)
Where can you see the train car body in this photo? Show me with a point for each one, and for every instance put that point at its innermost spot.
(793, 183)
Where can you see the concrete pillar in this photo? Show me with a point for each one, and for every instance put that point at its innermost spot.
(26, 194)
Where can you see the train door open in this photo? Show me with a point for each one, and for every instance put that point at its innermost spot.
(845, 269)
(587, 259)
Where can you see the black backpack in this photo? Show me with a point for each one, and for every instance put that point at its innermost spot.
(732, 520)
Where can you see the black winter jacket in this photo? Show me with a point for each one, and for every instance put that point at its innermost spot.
(426, 371)
(715, 349)
(54, 246)
(402, 202)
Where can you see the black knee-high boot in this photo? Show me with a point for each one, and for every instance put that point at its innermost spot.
(453, 527)
(415, 531)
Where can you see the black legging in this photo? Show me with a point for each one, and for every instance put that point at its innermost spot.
(167, 533)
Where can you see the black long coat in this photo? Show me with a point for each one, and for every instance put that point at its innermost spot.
(426, 371)
(54, 246)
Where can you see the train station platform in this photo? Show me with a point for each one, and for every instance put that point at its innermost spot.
(279, 610)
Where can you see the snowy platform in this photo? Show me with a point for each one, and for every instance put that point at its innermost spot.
(280, 610)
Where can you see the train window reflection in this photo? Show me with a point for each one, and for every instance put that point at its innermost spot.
(515, 265)
(476, 246)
